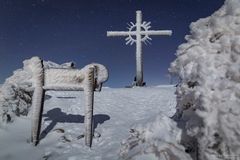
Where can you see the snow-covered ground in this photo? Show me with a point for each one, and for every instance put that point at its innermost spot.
(115, 112)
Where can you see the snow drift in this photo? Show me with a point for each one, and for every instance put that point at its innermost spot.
(16, 93)
(158, 139)
(208, 95)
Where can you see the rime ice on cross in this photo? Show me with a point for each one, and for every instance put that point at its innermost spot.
(142, 34)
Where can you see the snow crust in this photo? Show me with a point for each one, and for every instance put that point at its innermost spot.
(208, 95)
(74, 77)
(61, 77)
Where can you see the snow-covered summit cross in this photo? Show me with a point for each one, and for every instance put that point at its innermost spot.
(139, 33)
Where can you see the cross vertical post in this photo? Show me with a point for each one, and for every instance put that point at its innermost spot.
(139, 62)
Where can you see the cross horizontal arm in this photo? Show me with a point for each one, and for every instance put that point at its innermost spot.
(127, 33)
(120, 33)
(152, 32)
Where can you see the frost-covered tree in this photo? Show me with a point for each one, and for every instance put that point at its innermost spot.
(208, 95)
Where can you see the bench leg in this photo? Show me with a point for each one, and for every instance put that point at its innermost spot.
(37, 104)
(37, 101)
(89, 98)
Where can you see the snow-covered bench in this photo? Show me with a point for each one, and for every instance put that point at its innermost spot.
(87, 79)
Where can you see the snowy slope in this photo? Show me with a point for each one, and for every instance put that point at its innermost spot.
(116, 111)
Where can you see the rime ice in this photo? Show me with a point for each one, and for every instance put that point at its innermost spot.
(208, 94)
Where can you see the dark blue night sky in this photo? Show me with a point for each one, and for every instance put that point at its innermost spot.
(75, 30)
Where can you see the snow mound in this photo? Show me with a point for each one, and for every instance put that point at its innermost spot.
(158, 139)
(16, 93)
(208, 95)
